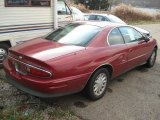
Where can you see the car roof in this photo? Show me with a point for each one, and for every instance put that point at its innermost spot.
(101, 24)
(111, 17)
(102, 14)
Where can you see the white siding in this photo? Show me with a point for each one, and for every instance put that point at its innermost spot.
(10, 16)
(24, 23)
(24, 15)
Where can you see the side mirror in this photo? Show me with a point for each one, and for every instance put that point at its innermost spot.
(146, 38)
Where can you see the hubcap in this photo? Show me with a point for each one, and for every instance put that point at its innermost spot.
(100, 84)
(3, 54)
(153, 56)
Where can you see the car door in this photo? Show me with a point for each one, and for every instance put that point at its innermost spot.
(137, 46)
(118, 50)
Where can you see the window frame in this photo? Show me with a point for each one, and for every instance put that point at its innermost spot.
(29, 4)
(110, 34)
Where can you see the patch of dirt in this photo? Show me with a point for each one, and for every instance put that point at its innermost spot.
(1, 107)
(80, 104)
(109, 90)
(120, 79)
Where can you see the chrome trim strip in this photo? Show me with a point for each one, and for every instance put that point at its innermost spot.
(32, 66)
(109, 35)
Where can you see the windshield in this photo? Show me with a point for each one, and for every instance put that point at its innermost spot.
(74, 34)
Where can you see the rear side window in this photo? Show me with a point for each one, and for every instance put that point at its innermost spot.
(92, 17)
(115, 37)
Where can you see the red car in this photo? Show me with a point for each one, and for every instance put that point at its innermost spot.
(79, 56)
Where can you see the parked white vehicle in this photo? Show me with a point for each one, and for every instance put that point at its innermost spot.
(114, 19)
(77, 14)
(21, 20)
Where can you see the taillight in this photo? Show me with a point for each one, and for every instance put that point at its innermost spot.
(28, 69)
(38, 72)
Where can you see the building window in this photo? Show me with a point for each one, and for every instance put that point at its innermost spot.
(27, 3)
(40, 3)
(17, 2)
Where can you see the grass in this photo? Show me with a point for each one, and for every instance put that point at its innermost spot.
(13, 114)
(26, 111)
(80, 7)
(140, 22)
(132, 15)
(17, 105)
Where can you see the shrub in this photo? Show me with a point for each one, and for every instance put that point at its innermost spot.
(157, 16)
(81, 7)
(129, 13)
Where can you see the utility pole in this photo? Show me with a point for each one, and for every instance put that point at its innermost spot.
(55, 16)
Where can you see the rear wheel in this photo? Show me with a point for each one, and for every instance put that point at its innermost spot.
(151, 61)
(3, 52)
(97, 84)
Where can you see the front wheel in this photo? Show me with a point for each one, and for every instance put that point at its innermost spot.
(151, 61)
(97, 84)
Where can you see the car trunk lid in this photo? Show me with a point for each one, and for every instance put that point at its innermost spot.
(44, 50)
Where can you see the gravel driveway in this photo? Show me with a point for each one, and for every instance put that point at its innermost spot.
(133, 96)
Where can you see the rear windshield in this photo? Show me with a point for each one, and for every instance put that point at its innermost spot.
(74, 34)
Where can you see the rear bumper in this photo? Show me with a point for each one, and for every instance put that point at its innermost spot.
(12, 81)
(45, 88)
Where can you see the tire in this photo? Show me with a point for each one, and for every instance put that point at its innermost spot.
(3, 52)
(151, 61)
(97, 85)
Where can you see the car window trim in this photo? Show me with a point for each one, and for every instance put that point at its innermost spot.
(122, 35)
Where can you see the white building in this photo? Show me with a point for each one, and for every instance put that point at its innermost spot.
(22, 20)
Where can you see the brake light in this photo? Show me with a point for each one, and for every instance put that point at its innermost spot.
(27, 69)
(38, 72)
